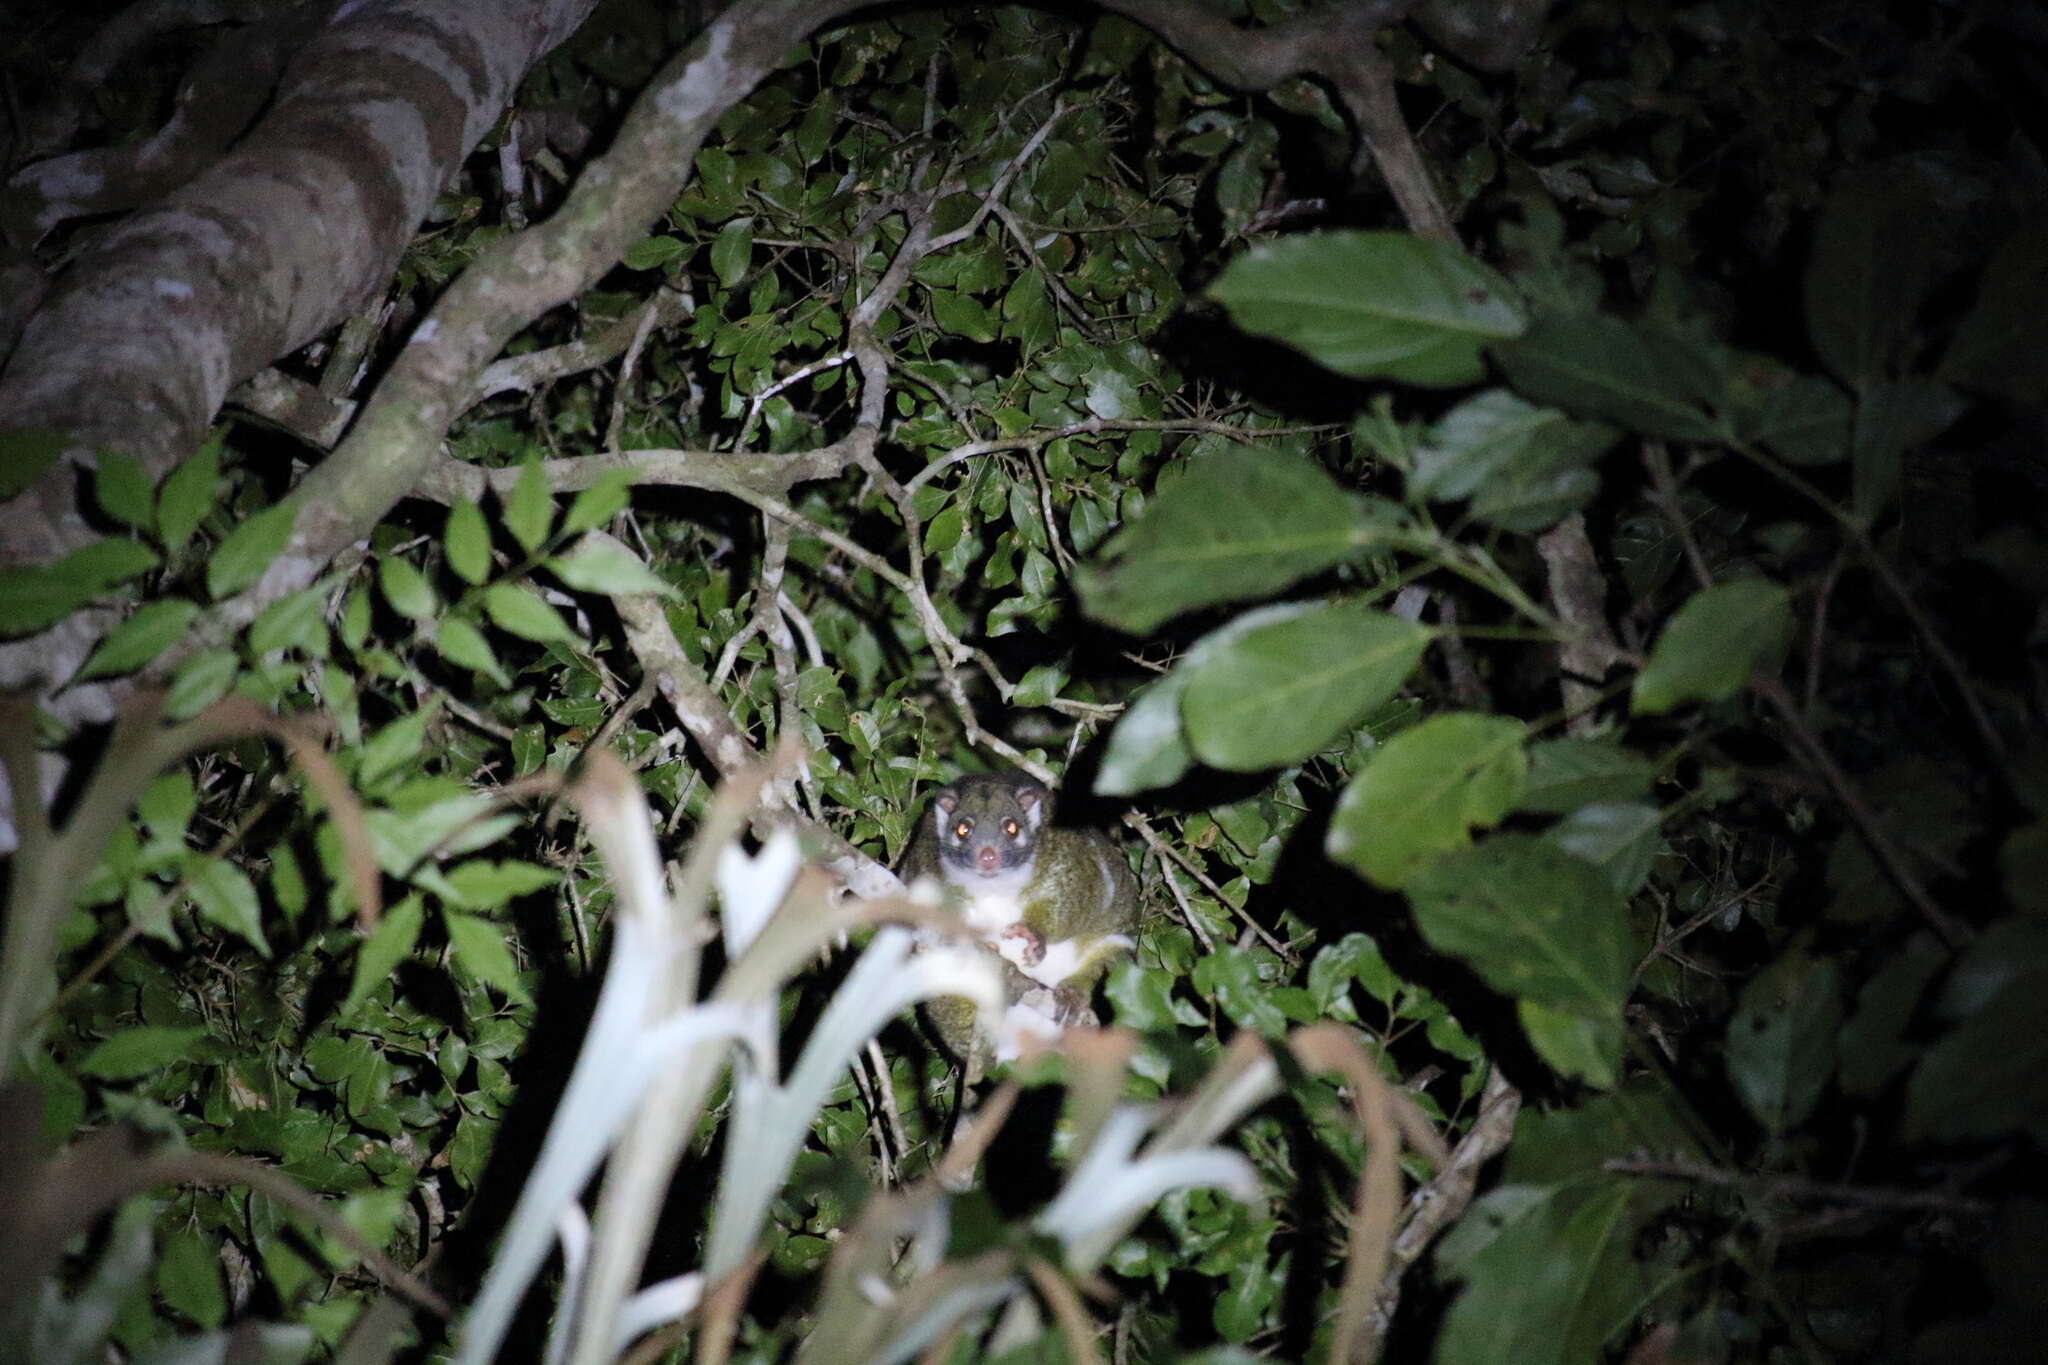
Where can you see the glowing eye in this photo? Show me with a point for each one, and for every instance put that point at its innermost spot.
(1011, 828)
(963, 829)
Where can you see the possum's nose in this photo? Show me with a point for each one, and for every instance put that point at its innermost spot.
(988, 858)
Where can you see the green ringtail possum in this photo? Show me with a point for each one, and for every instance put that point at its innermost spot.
(1057, 905)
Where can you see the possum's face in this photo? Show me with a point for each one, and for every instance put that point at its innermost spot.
(989, 826)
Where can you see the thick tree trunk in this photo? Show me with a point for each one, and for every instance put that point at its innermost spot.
(142, 336)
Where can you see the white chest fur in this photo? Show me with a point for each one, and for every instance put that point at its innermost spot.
(990, 905)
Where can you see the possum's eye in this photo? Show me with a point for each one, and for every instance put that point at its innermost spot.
(1012, 828)
(963, 828)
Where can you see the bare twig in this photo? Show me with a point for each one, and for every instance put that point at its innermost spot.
(1764, 1185)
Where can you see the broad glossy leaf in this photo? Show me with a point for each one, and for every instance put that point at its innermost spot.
(1621, 837)
(1874, 1044)
(43, 594)
(188, 494)
(1146, 749)
(520, 611)
(480, 948)
(124, 490)
(406, 588)
(188, 1277)
(463, 645)
(732, 251)
(200, 681)
(1495, 436)
(1891, 419)
(2002, 341)
(1575, 1045)
(296, 621)
(140, 638)
(529, 509)
(1781, 1039)
(468, 541)
(1565, 774)
(1870, 270)
(388, 946)
(226, 896)
(1550, 1274)
(599, 564)
(397, 743)
(1803, 420)
(1533, 920)
(1373, 304)
(1276, 694)
(650, 252)
(1239, 523)
(599, 503)
(24, 455)
(139, 1051)
(1637, 376)
(1713, 644)
(1424, 791)
(248, 550)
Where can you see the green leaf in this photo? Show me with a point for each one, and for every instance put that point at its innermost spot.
(468, 541)
(1804, 421)
(1639, 377)
(601, 564)
(1876, 1044)
(1373, 304)
(480, 950)
(1713, 644)
(200, 681)
(124, 490)
(651, 252)
(1277, 693)
(1565, 774)
(1891, 419)
(1146, 750)
(248, 550)
(1988, 1075)
(1535, 922)
(1524, 467)
(225, 895)
(1781, 1040)
(1999, 346)
(463, 645)
(1488, 435)
(387, 946)
(1871, 268)
(520, 611)
(139, 1051)
(406, 588)
(188, 493)
(153, 628)
(530, 508)
(1582, 1236)
(188, 1277)
(1622, 837)
(1238, 523)
(600, 502)
(43, 594)
(296, 621)
(1574, 1045)
(732, 251)
(25, 455)
(1231, 977)
(397, 743)
(484, 885)
(1424, 790)
(167, 806)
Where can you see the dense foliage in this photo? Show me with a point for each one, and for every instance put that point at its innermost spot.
(1601, 656)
